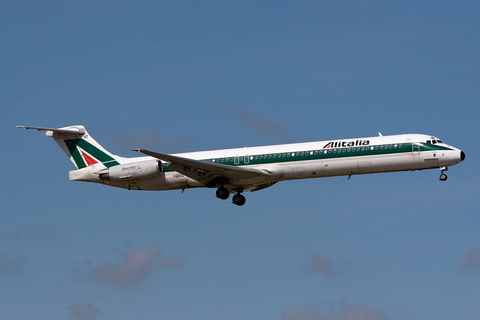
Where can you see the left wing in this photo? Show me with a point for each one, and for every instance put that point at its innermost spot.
(202, 171)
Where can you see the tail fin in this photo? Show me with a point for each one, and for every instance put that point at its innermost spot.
(79, 146)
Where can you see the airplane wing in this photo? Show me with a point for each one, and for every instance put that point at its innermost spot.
(202, 171)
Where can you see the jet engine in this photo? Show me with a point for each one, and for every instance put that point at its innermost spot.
(132, 171)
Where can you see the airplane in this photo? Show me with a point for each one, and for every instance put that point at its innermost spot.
(251, 169)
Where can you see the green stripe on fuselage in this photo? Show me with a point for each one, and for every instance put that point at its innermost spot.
(323, 154)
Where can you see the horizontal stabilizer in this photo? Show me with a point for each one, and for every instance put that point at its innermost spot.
(71, 131)
(79, 146)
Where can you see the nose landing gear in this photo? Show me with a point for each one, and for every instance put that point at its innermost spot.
(443, 176)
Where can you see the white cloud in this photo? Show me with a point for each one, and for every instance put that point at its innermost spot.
(136, 267)
(85, 311)
(150, 137)
(321, 264)
(472, 260)
(309, 312)
(256, 124)
(37, 232)
(346, 311)
(11, 265)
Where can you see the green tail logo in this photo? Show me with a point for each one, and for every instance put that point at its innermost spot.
(85, 154)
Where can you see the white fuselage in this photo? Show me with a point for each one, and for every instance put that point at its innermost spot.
(291, 161)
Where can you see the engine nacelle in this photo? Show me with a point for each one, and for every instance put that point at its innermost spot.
(133, 171)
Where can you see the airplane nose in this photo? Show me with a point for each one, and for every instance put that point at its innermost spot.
(462, 155)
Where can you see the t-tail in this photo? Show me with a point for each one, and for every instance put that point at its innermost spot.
(79, 146)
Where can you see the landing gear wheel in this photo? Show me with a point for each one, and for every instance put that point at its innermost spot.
(443, 177)
(238, 199)
(223, 193)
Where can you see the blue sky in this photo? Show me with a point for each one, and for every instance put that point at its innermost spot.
(188, 76)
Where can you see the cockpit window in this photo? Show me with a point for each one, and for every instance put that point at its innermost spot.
(434, 140)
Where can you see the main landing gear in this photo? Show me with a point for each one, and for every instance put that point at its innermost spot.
(443, 176)
(238, 198)
(223, 193)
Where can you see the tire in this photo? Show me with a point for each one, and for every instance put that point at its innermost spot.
(239, 199)
(222, 193)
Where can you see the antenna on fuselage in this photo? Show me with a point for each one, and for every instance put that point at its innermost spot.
(380, 134)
